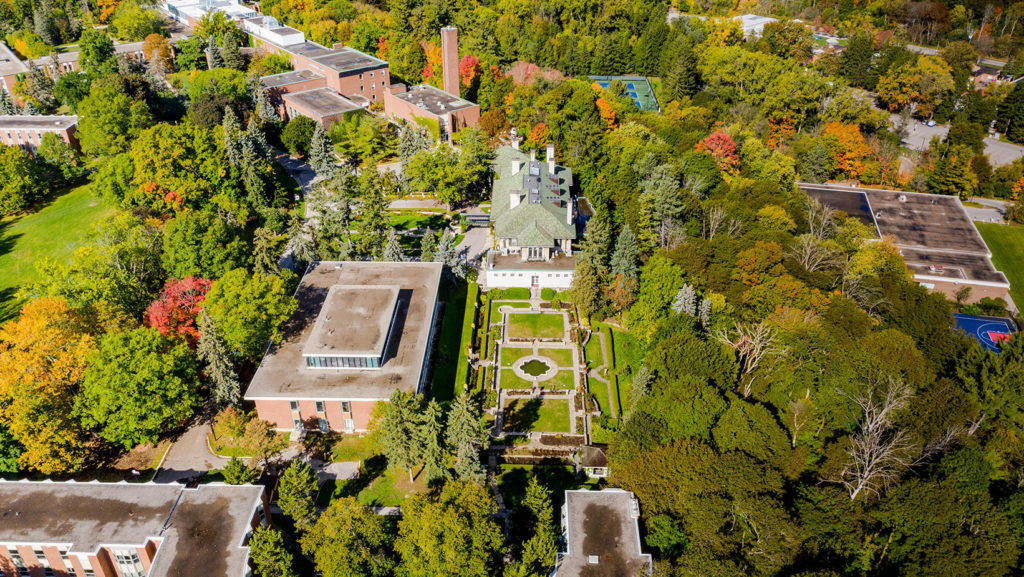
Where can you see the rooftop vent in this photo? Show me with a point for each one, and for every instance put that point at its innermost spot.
(903, 198)
(593, 559)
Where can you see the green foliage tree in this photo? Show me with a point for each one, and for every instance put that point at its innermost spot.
(109, 119)
(626, 256)
(1010, 114)
(321, 153)
(189, 54)
(453, 535)
(60, 156)
(248, 309)
(96, 53)
(269, 554)
(428, 245)
(952, 173)
(298, 134)
(230, 54)
(399, 432)
(348, 539)
(201, 244)
(431, 441)
(295, 493)
(138, 385)
(133, 23)
(23, 180)
(213, 55)
(10, 451)
(266, 253)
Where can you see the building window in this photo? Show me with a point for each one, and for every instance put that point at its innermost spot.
(346, 406)
(294, 406)
(129, 563)
(19, 563)
(371, 74)
(320, 408)
(322, 424)
(350, 424)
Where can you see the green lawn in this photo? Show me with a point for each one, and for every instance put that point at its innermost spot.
(509, 356)
(352, 448)
(449, 344)
(510, 380)
(595, 356)
(377, 485)
(1007, 245)
(563, 380)
(546, 415)
(628, 358)
(562, 357)
(495, 305)
(600, 391)
(466, 338)
(413, 220)
(536, 325)
(53, 232)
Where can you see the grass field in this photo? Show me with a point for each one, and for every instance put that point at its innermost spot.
(495, 305)
(563, 380)
(54, 231)
(546, 415)
(449, 343)
(413, 220)
(509, 356)
(536, 326)
(595, 357)
(628, 357)
(510, 380)
(562, 357)
(352, 448)
(1007, 245)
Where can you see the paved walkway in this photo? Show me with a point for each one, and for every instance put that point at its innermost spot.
(417, 203)
(189, 454)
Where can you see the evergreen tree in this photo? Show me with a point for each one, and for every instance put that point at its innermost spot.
(42, 19)
(265, 257)
(640, 388)
(626, 256)
(7, 106)
(586, 288)
(295, 493)
(39, 87)
(814, 167)
(232, 128)
(230, 54)
(213, 55)
(392, 248)
(467, 464)
(952, 174)
(321, 153)
(683, 78)
(1011, 114)
(412, 140)
(399, 11)
(255, 173)
(29, 110)
(855, 62)
(428, 245)
(225, 388)
(596, 242)
(539, 551)
(447, 254)
(373, 223)
(255, 134)
(269, 554)
(303, 241)
(399, 434)
(236, 472)
(264, 107)
(430, 439)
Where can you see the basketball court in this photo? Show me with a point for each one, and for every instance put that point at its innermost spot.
(989, 331)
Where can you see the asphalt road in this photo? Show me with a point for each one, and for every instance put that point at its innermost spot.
(920, 135)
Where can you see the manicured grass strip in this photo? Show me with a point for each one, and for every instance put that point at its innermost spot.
(486, 328)
(595, 357)
(536, 325)
(509, 356)
(495, 305)
(469, 315)
(392, 488)
(628, 358)
(53, 232)
(609, 355)
(413, 220)
(1007, 245)
(547, 293)
(599, 391)
(562, 357)
(446, 359)
(516, 293)
(563, 380)
(352, 448)
(542, 415)
(510, 380)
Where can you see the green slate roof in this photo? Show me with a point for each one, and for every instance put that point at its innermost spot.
(540, 217)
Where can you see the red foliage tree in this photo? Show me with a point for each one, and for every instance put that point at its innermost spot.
(175, 311)
(721, 146)
(469, 69)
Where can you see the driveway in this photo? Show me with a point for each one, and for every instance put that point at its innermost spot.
(920, 135)
(993, 211)
(189, 455)
(475, 244)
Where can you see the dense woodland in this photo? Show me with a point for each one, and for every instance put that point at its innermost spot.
(802, 406)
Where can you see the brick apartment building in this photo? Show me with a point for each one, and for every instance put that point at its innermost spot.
(27, 131)
(69, 529)
(361, 331)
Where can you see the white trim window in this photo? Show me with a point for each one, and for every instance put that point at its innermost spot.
(128, 563)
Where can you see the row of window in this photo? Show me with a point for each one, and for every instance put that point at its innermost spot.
(343, 362)
(44, 563)
(520, 275)
(321, 416)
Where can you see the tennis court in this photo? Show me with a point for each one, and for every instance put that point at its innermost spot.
(989, 331)
(637, 87)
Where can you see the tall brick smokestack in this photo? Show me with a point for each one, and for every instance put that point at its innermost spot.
(450, 59)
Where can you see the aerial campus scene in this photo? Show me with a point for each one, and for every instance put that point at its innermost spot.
(518, 288)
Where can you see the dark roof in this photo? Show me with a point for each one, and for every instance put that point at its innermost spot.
(201, 530)
(602, 535)
(287, 78)
(594, 456)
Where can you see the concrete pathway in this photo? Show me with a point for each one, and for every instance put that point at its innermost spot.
(415, 203)
(189, 455)
(474, 246)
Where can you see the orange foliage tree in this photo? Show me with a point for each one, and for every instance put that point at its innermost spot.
(42, 358)
(539, 135)
(723, 149)
(607, 113)
(847, 148)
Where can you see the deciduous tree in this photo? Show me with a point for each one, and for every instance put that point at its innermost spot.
(348, 539)
(248, 309)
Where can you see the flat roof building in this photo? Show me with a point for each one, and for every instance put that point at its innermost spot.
(191, 11)
(323, 105)
(27, 131)
(936, 237)
(601, 533)
(10, 67)
(127, 529)
(362, 330)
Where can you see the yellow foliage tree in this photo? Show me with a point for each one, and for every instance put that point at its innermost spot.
(849, 150)
(42, 357)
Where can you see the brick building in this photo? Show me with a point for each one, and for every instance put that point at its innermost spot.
(70, 529)
(361, 331)
(27, 131)
(10, 68)
(444, 111)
